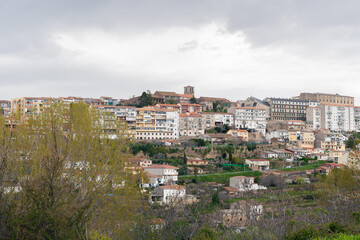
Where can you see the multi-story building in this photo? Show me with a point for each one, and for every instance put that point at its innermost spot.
(325, 98)
(189, 108)
(5, 108)
(168, 172)
(249, 118)
(313, 117)
(31, 106)
(337, 117)
(287, 109)
(303, 139)
(216, 119)
(124, 113)
(255, 102)
(357, 118)
(191, 125)
(154, 123)
(328, 141)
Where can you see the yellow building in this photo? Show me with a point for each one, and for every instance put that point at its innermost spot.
(29, 106)
(239, 133)
(153, 123)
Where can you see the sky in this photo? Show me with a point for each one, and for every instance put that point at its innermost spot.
(225, 48)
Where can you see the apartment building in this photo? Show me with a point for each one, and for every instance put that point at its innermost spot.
(191, 125)
(249, 118)
(216, 119)
(255, 102)
(329, 141)
(31, 106)
(124, 113)
(313, 117)
(5, 108)
(287, 109)
(357, 118)
(325, 98)
(337, 117)
(190, 108)
(303, 139)
(153, 123)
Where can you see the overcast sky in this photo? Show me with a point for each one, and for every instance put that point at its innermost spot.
(225, 48)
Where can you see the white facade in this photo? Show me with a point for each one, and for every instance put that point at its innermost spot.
(242, 184)
(156, 124)
(357, 118)
(249, 118)
(191, 125)
(214, 119)
(168, 194)
(168, 172)
(338, 117)
(313, 117)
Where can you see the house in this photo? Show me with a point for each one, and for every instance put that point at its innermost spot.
(269, 154)
(153, 181)
(142, 162)
(168, 172)
(258, 164)
(197, 162)
(242, 183)
(198, 170)
(327, 167)
(168, 194)
(239, 133)
(189, 107)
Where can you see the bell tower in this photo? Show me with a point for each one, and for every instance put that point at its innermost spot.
(189, 90)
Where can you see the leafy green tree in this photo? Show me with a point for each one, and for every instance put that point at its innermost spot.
(58, 171)
(193, 100)
(145, 99)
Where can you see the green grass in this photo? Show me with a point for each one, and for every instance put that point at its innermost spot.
(221, 177)
(341, 237)
(302, 168)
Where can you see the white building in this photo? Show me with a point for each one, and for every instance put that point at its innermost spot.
(168, 194)
(153, 123)
(313, 117)
(357, 118)
(337, 117)
(216, 119)
(168, 172)
(249, 118)
(242, 183)
(191, 125)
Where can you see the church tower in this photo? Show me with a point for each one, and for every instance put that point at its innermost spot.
(189, 90)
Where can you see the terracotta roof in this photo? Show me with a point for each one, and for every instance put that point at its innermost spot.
(190, 104)
(258, 160)
(230, 189)
(190, 115)
(174, 187)
(165, 166)
(237, 130)
(186, 95)
(250, 108)
(242, 177)
(213, 99)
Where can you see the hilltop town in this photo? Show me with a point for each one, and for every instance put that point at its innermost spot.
(243, 155)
